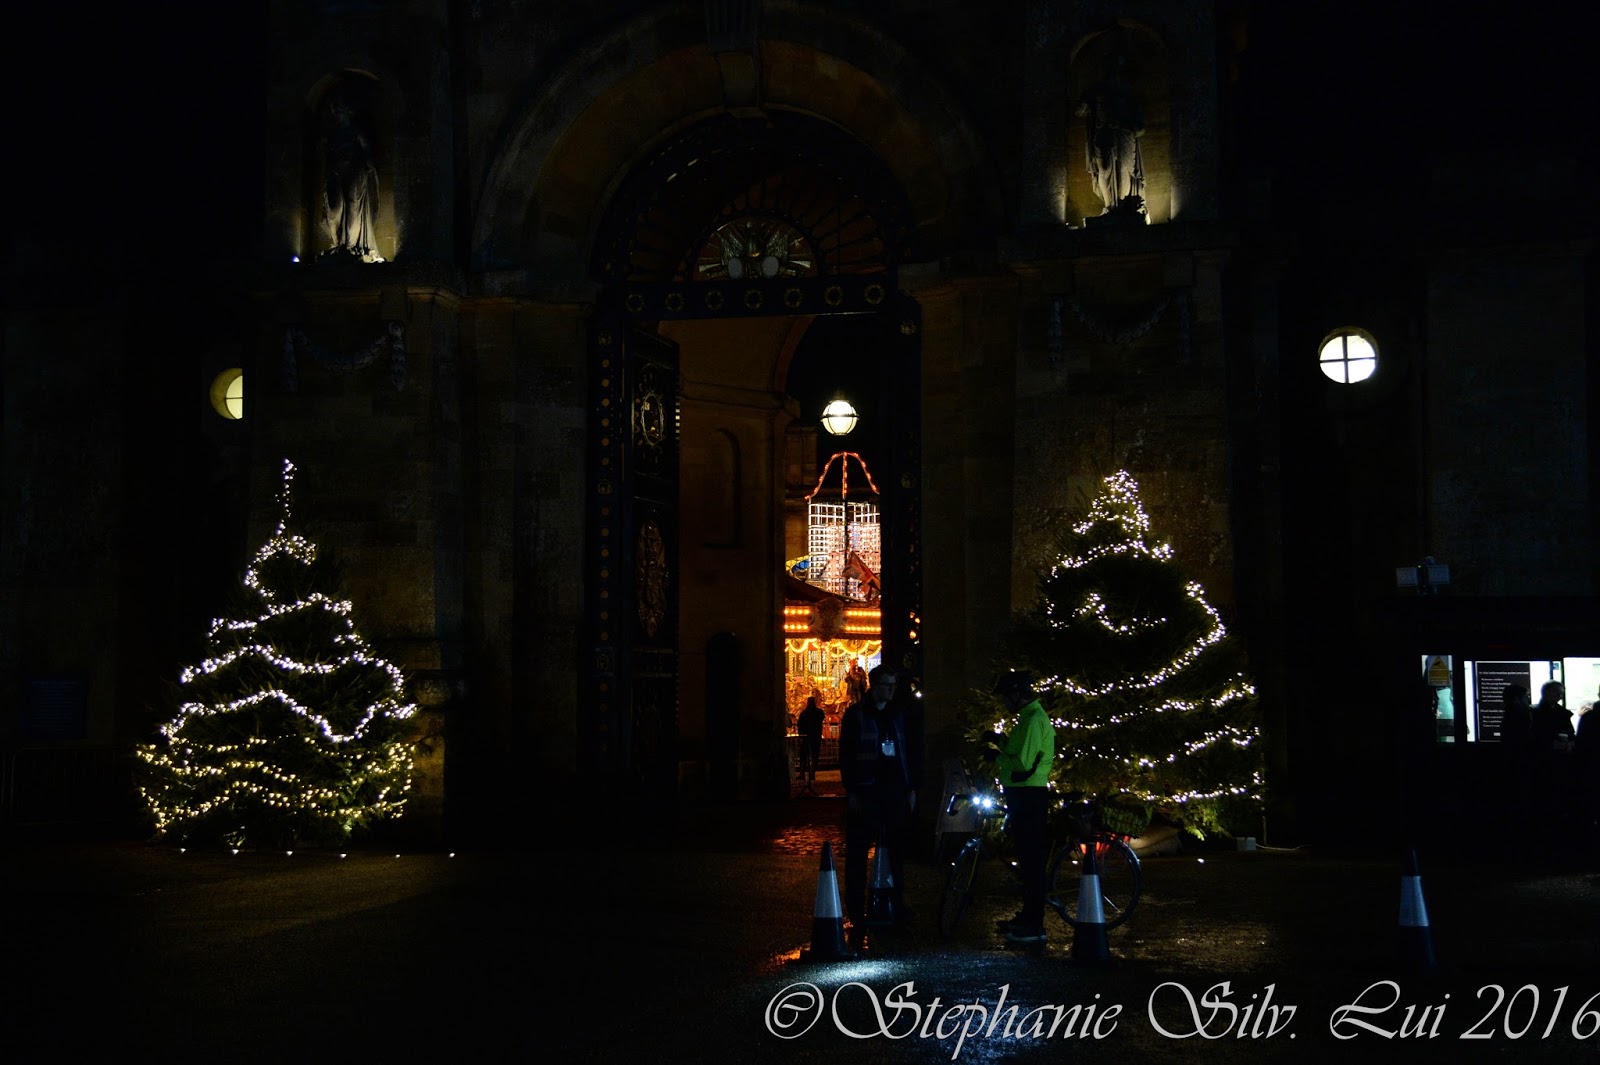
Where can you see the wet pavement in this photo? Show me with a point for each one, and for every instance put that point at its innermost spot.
(689, 952)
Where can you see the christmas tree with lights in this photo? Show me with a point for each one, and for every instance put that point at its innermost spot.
(1148, 693)
(291, 730)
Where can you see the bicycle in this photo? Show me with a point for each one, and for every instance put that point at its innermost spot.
(1121, 878)
(1077, 828)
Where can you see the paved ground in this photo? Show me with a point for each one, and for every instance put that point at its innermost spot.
(689, 952)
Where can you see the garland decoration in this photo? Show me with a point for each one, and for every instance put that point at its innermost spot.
(1122, 332)
(393, 341)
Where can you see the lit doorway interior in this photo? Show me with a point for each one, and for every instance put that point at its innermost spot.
(758, 484)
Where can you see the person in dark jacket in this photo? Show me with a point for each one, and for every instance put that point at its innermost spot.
(1551, 738)
(809, 726)
(1552, 722)
(1586, 782)
(880, 766)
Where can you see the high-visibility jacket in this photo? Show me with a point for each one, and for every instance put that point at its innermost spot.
(1030, 748)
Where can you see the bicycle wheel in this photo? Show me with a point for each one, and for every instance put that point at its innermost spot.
(958, 887)
(1120, 880)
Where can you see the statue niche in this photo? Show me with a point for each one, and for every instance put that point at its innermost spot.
(350, 177)
(1113, 125)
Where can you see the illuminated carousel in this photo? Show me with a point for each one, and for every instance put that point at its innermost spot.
(832, 624)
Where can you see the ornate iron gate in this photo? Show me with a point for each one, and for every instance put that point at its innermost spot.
(629, 727)
(650, 256)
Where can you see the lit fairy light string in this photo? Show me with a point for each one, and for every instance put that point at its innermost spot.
(290, 665)
(356, 771)
(1212, 636)
(1144, 735)
(1095, 607)
(1239, 689)
(276, 610)
(1119, 504)
(1160, 551)
(391, 706)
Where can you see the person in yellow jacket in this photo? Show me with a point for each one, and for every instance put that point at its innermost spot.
(1023, 762)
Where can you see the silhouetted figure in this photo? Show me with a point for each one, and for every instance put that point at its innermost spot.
(1586, 782)
(880, 764)
(1550, 742)
(809, 725)
(1516, 718)
(1418, 734)
(1023, 762)
(1552, 722)
(1516, 740)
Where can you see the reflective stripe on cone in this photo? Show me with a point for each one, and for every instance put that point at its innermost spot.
(880, 899)
(1416, 937)
(827, 921)
(1089, 942)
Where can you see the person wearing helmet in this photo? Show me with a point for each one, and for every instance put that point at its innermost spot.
(1023, 762)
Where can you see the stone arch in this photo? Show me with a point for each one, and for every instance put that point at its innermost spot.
(788, 347)
(845, 211)
(617, 100)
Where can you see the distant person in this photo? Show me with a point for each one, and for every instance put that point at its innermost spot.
(1024, 761)
(1516, 725)
(1516, 739)
(1586, 739)
(1552, 722)
(809, 726)
(855, 680)
(1516, 717)
(1550, 744)
(1591, 716)
(1417, 732)
(879, 765)
(1586, 777)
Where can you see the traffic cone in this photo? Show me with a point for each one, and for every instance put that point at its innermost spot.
(880, 897)
(827, 919)
(1089, 942)
(1416, 938)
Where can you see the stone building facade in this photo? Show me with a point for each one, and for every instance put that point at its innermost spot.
(554, 457)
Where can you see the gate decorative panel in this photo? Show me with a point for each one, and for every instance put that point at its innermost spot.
(629, 719)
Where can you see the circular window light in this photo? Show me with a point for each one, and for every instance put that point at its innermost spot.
(1348, 356)
(227, 394)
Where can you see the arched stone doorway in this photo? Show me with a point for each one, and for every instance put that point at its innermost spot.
(715, 256)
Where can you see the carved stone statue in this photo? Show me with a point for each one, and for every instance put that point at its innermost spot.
(351, 187)
(1113, 124)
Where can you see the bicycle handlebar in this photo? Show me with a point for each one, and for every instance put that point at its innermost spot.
(986, 804)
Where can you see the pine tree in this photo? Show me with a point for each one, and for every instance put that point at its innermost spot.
(291, 729)
(1147, 691)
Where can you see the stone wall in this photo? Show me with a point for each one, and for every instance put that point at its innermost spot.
(1119, 369)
